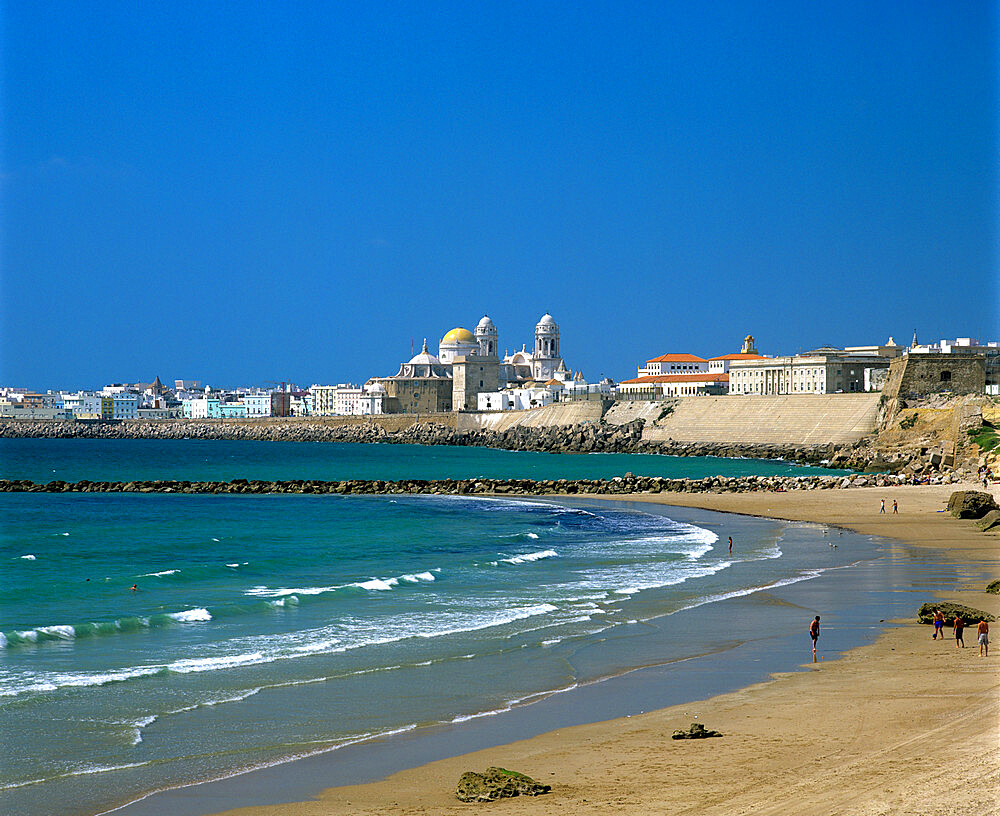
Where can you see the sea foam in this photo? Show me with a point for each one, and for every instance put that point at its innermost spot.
(529, 557)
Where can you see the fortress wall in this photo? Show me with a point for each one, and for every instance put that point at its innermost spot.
(549, 416)
(806, 419)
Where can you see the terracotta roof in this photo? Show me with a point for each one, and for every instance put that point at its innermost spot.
(704, 376)
(740, 357)
(677, 358)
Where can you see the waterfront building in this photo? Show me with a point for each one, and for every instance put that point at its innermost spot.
(685, 375)
(347, 400)
(826, 370)
(233, 410)
(201, 408)
(421, 386)
(82, 405)
(258, 405)
(468, 364)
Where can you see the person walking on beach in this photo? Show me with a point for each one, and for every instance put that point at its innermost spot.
(895, 508)
(881, 508)
(959, 625)
(984, 638)
(814, 631)
(938, 625)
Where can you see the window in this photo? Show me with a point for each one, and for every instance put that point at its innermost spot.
(945, 376)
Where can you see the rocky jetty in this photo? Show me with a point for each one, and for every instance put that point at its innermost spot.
(619, 485)
(497, 783)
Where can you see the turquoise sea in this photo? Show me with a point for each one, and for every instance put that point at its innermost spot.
(265, 628)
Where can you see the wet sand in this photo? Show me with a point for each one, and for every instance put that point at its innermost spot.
(906, 725)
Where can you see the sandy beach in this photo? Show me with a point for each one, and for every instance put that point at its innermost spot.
(906, 725)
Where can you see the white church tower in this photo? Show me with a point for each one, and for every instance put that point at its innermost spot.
(545, 358)
(486, 336)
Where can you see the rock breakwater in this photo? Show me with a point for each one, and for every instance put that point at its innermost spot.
(619, 485)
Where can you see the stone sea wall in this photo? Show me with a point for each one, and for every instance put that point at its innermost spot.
(619, 485)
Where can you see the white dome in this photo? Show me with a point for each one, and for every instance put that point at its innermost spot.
(546, 320)
(485, 323)
(425, 357)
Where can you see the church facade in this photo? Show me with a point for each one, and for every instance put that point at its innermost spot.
(467, 364)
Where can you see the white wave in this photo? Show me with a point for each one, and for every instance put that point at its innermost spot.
(89, 769)
(160, 574)
(215, 539)
(65, 534)
(805, 575)
(60, 631)
(265, 592)
(96, 769)
(28, 634)
(28, 557)
(234, 566)
(532, 535)
(218, 701)
(268, 649)
(3, 641)
(280, 603)
(203, 664)
(191, 615)
(138, 725)
(529, 557)
(377, 584)
(417, 577)
(513, 703)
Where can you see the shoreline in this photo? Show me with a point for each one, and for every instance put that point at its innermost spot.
(625, 750)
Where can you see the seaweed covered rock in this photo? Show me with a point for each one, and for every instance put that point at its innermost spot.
(926, 612)
(696, 731)
(497, 783)
(993, 587)
(971, 504)
(990, 521)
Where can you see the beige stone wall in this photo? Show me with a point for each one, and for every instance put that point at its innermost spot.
(922, 374)
(804, 419)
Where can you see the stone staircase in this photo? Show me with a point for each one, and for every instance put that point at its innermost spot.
(807, 419)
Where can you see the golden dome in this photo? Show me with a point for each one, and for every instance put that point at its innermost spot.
(458, 335)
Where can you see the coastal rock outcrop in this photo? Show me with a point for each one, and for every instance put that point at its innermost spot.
(993, 587)
(497, 783)
(971, 504)
(990, 521)
(949, 609)
(696, 731)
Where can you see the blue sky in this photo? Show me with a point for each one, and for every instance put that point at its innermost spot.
(240, 192)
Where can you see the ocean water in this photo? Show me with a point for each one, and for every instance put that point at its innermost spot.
(265, 628)
(45, 460)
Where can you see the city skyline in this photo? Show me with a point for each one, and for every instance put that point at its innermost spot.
(254, 193)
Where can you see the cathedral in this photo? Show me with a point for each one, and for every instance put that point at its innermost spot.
(467, 364)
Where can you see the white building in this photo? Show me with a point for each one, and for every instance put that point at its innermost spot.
(672, 364)
(258, 405)
(826, 370)
(347, 400)
(499, 401)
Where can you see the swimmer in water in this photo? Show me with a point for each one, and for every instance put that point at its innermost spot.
(135, 587)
